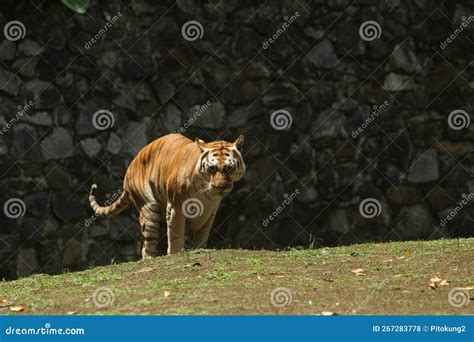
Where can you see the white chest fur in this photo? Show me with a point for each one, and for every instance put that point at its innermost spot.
(203, 210)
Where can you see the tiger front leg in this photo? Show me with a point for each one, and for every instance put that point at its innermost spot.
(175, 221)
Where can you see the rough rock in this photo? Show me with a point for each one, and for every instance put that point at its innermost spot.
(67, 207)
(27, 261)
(323, 55)
(58, 144)
(91, 147)
(415, 222)
(135, 137)
(9, 82)
(394, 82)
(38, 118)
(425, 168)
(403, 195)
(114, 144)
(212, 117)
(7, 50)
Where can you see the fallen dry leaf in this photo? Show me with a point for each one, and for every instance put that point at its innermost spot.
(387, 261)
(71, 312)
(145, 269)
(2, 300)
(258, 277)
(280, 276)
(443, 282)
(328, 313)
(437, 282)
(358, 272)
(167, 294)
(328, 279)
(17, 308)
(405, 255)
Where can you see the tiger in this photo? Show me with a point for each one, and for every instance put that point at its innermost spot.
(176, 183)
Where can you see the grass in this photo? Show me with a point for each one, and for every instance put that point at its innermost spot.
(396, 281)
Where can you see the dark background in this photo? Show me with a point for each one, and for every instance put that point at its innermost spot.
(151, 78)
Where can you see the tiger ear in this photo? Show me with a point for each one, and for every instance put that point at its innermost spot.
(239, 143)
(201, 144)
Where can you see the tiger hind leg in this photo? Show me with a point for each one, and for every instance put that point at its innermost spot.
(151, 224)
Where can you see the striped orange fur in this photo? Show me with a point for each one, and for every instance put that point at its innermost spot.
(175, 183)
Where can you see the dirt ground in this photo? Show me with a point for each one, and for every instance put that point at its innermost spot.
(389, 278)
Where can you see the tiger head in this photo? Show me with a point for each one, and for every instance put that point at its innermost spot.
(220, 165)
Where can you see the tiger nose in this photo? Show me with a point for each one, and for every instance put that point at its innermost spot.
(220, 187)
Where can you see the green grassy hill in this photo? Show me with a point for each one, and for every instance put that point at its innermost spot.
(395, 279)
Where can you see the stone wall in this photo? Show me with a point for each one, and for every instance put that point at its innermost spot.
(345, 107)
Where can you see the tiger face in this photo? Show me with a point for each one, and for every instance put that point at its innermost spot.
(220, 165)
